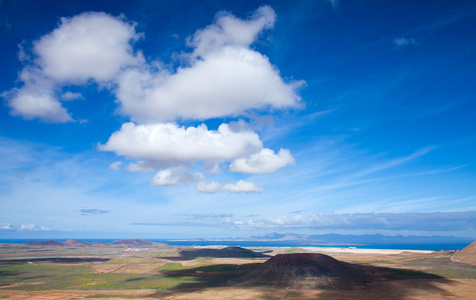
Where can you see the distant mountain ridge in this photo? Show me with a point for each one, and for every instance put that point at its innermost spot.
(77, 243)
(340, 239)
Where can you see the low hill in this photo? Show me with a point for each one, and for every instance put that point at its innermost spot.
(225, 252)
(466, 255)
(44, 243)
(305, 268)
(132, 242)
(76, 243)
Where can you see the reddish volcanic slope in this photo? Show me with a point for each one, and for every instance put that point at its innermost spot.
(305, 268)
(132, 242)
(466, 255)
(44, 243)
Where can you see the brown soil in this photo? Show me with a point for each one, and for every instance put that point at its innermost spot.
(399, 290)
(466, 255)
(126, 268)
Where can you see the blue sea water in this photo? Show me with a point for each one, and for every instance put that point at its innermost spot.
(393, 246)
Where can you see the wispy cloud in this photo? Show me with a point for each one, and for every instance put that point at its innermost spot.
(404, 42)
(93, 211)
(394, 162)
(115, 165)
(23, 227)
(430, 221)
(419, 221)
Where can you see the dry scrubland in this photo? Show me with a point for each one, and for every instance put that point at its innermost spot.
(136, 269)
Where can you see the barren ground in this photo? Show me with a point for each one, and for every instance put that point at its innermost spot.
(49, 272)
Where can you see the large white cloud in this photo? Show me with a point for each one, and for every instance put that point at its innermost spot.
(167, 143)
(265, 161)
(229, 82)
(173, 148)
(88, 46)
(224, 77)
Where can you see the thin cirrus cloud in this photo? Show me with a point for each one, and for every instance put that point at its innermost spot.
(426, 221)
(416, 221)
(221, 76)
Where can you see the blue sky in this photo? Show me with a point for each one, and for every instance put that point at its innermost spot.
(181, 119)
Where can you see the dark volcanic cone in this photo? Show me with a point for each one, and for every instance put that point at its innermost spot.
(305, 268)
(225, 252)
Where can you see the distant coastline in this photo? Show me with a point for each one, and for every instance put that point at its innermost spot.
(390, 246)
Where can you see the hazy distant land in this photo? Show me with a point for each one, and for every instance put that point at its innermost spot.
(136, 268)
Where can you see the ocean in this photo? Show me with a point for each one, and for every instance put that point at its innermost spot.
(393, 246)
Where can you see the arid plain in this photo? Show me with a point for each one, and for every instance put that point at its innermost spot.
(138, 269)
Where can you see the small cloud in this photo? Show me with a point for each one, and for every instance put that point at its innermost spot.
(20, 175)
(404, 42)
(69, 96)
(115, 165)
(27, 227)
(335, 3)
(22, 56)
(208, 216)
(139, 167)
(32, 227)
(6, 226)
(265, 161)
(240, 187)
(299, 212)
(174, 176)
(93, 211)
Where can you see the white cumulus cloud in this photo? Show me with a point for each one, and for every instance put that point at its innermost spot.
(224, 77)
(88, 46)
(265, 161)
(169, 144)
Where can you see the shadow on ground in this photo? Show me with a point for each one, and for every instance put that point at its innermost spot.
(378, 283)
